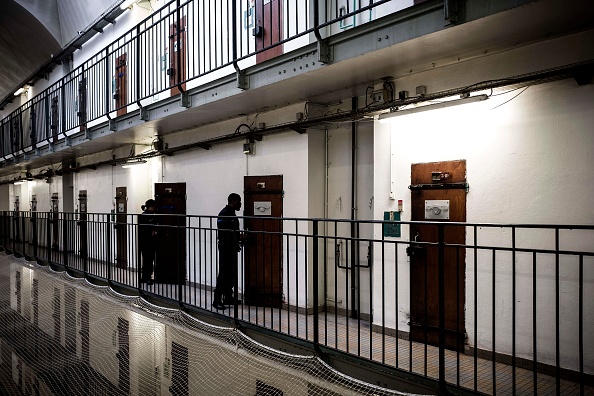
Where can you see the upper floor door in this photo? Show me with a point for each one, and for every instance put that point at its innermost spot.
(269, 28)
(177, 61)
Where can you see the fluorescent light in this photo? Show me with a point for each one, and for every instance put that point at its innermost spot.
(133, 163)
(19, 182)
(433, 106)
(127, 4)
(19, 91)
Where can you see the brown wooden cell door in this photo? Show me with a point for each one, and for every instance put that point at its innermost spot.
(82, 223)
(121, 227)
(438, 194)
(170, 263)
(121, 89)
(54, 119)
(177, 55)
(82, 104)
(263, 273)
(269, 28)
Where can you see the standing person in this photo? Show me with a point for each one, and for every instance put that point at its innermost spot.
(229, 237)
(147, 239)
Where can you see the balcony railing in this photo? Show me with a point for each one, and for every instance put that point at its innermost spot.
(179, 47)
(504, 311)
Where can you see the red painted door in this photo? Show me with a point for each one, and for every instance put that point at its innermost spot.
(121, 91)
(269, 28)
(177, 56)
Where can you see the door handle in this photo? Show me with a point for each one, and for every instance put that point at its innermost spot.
(415, 250)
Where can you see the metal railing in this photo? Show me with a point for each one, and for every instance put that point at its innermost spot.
(502, 312)
(169, 51)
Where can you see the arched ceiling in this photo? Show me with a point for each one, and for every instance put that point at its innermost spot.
(32, 32)
(25, 43)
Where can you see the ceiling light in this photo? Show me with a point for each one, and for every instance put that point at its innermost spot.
(433, 106)
(128, 164)
(19, 182)
(19, 91)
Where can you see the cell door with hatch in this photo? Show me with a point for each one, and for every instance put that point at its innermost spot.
(170, 263)
(121, 227)
(263, 273)
(82, 223)
(438, 194)
(121, 84)
(269, 28)
(177, 50)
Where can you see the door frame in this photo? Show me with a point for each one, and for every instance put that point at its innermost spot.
(263, 270)
(444, 180)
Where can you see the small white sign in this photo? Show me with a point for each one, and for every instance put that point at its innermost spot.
(262, 208)
(437, 209)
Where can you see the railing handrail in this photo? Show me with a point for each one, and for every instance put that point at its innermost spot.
(582, 226)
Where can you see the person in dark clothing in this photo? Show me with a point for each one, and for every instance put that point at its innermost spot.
(147, 235)
(229, 238)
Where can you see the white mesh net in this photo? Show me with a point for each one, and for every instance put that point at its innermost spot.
(64, 336)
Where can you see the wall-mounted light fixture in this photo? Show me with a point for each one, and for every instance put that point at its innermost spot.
(128, 4)
(131, 163)
(21, 90)
(434, 106)
(249, 147)
(18, 182)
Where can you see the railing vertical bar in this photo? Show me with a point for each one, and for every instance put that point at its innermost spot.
(325, 291)
(581, 322)
(426, 315)
(288, 284)
(383, 286)
(475, 357)
(316, 339)
(441, 276)
(297, 327)
(514, 310)
(557, 315)
(24, 234)
(534, 341)
(347, 299)
(493, 327)
(396, 299)
(458, 317)
(178, 53)
(335, 284)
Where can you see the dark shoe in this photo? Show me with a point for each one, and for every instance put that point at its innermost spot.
(231, 301)
(218, 305)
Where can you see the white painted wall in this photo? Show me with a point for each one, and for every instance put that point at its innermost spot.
(528, 161)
